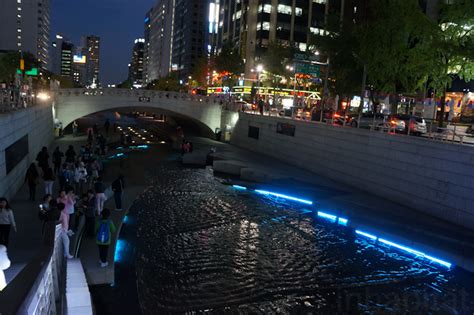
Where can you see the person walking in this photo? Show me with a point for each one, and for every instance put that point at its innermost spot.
(70, 155)
(107, 126)
(57, 159)
(48, 212)
(32, 178)
(80, 178)
(75, 128)
(4, 265)
(65, 232)
(48, 178)
(99, 195)
(89, 210)
(104, 228)
(7, 221)
(42, 159)
(117, 187)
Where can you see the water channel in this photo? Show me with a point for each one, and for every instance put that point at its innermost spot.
(193, 244)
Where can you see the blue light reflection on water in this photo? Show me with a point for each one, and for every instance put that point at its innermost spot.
(120, 248)
(264, 192)
(343, 221)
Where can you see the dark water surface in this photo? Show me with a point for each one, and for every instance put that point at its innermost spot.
(204, 246)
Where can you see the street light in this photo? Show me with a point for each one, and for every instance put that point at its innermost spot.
(259, 70)
(291, 68)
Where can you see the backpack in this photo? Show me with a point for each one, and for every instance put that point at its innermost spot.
(103, 234)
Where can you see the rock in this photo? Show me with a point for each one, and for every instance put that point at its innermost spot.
(228, 166)
(195, 158)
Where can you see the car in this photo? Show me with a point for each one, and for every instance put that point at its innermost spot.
(244, 106)
(416, 124)
(366, 120)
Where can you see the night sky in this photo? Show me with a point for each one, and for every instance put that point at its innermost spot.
(117, 22)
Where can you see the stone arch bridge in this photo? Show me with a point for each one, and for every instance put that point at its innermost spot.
(206, 111)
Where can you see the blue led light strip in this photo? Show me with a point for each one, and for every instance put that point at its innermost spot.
(239, 187)
(405, 248)
(264, 192)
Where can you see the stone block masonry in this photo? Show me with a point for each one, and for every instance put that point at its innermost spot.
(37, 124)
(436, 178)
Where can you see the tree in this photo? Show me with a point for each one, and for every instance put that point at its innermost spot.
(394, 43)
(452, 51)
(228, 60)
(276, 58)
(127, 84)
(169, 83)
(10, 62)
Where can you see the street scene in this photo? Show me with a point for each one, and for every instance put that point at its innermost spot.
(237, 157)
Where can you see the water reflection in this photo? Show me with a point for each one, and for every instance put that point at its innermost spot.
(206, 246)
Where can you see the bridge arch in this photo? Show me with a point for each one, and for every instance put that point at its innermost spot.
(72, 104)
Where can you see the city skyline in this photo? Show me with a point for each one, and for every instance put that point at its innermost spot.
(116, 22)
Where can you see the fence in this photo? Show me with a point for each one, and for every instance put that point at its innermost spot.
(39, 287)
(12, 99)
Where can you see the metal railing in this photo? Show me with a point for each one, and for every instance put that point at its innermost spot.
(453, 132)
(39, 287)
(13, 100)
(142, 95)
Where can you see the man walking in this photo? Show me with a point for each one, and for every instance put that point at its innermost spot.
(117, 187)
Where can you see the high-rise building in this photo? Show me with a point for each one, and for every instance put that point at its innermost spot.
(160, 40)
(67, 50)
(25, 26)
(91, 44)
(80, 67)
(178, 37)
(136, 65)
(146, 48)
(56, 51)
(190, 35)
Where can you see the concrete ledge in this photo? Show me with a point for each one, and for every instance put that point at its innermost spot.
(195, 158)
(255, 175)
(228, 167)
(77, 292)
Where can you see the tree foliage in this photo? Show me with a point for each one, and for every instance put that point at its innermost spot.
(229, 60)
(10, 62)
(169, 83)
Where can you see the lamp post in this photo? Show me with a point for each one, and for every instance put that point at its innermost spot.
(259, 70)
(293, 69)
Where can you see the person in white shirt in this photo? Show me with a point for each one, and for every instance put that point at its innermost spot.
(7, 221)
(80, 178)
(4, 264)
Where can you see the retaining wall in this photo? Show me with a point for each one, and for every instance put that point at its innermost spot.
(434, 177)
(37, 123)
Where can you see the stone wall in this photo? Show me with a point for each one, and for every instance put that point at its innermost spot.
(434, 177)
(37, 123)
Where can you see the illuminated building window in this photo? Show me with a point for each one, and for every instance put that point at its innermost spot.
(284, 9)
(319, 1)
(265, 8)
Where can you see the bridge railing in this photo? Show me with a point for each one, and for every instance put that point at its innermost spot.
(141, 95)
(39, 287)
(12, 99)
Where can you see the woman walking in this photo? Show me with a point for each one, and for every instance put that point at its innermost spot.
(7, 221)
(65, 232)
(32, 178)
(48, 178)
(104, 228)
(99, 195)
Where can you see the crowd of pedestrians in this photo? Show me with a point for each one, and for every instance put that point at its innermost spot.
(80, 193)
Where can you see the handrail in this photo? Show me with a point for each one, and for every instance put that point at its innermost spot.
(19, 295)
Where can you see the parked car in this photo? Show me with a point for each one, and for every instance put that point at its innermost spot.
(244, 106)
(366, 120)
(416, 124)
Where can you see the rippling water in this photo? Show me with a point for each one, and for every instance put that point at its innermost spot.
(203, 246)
